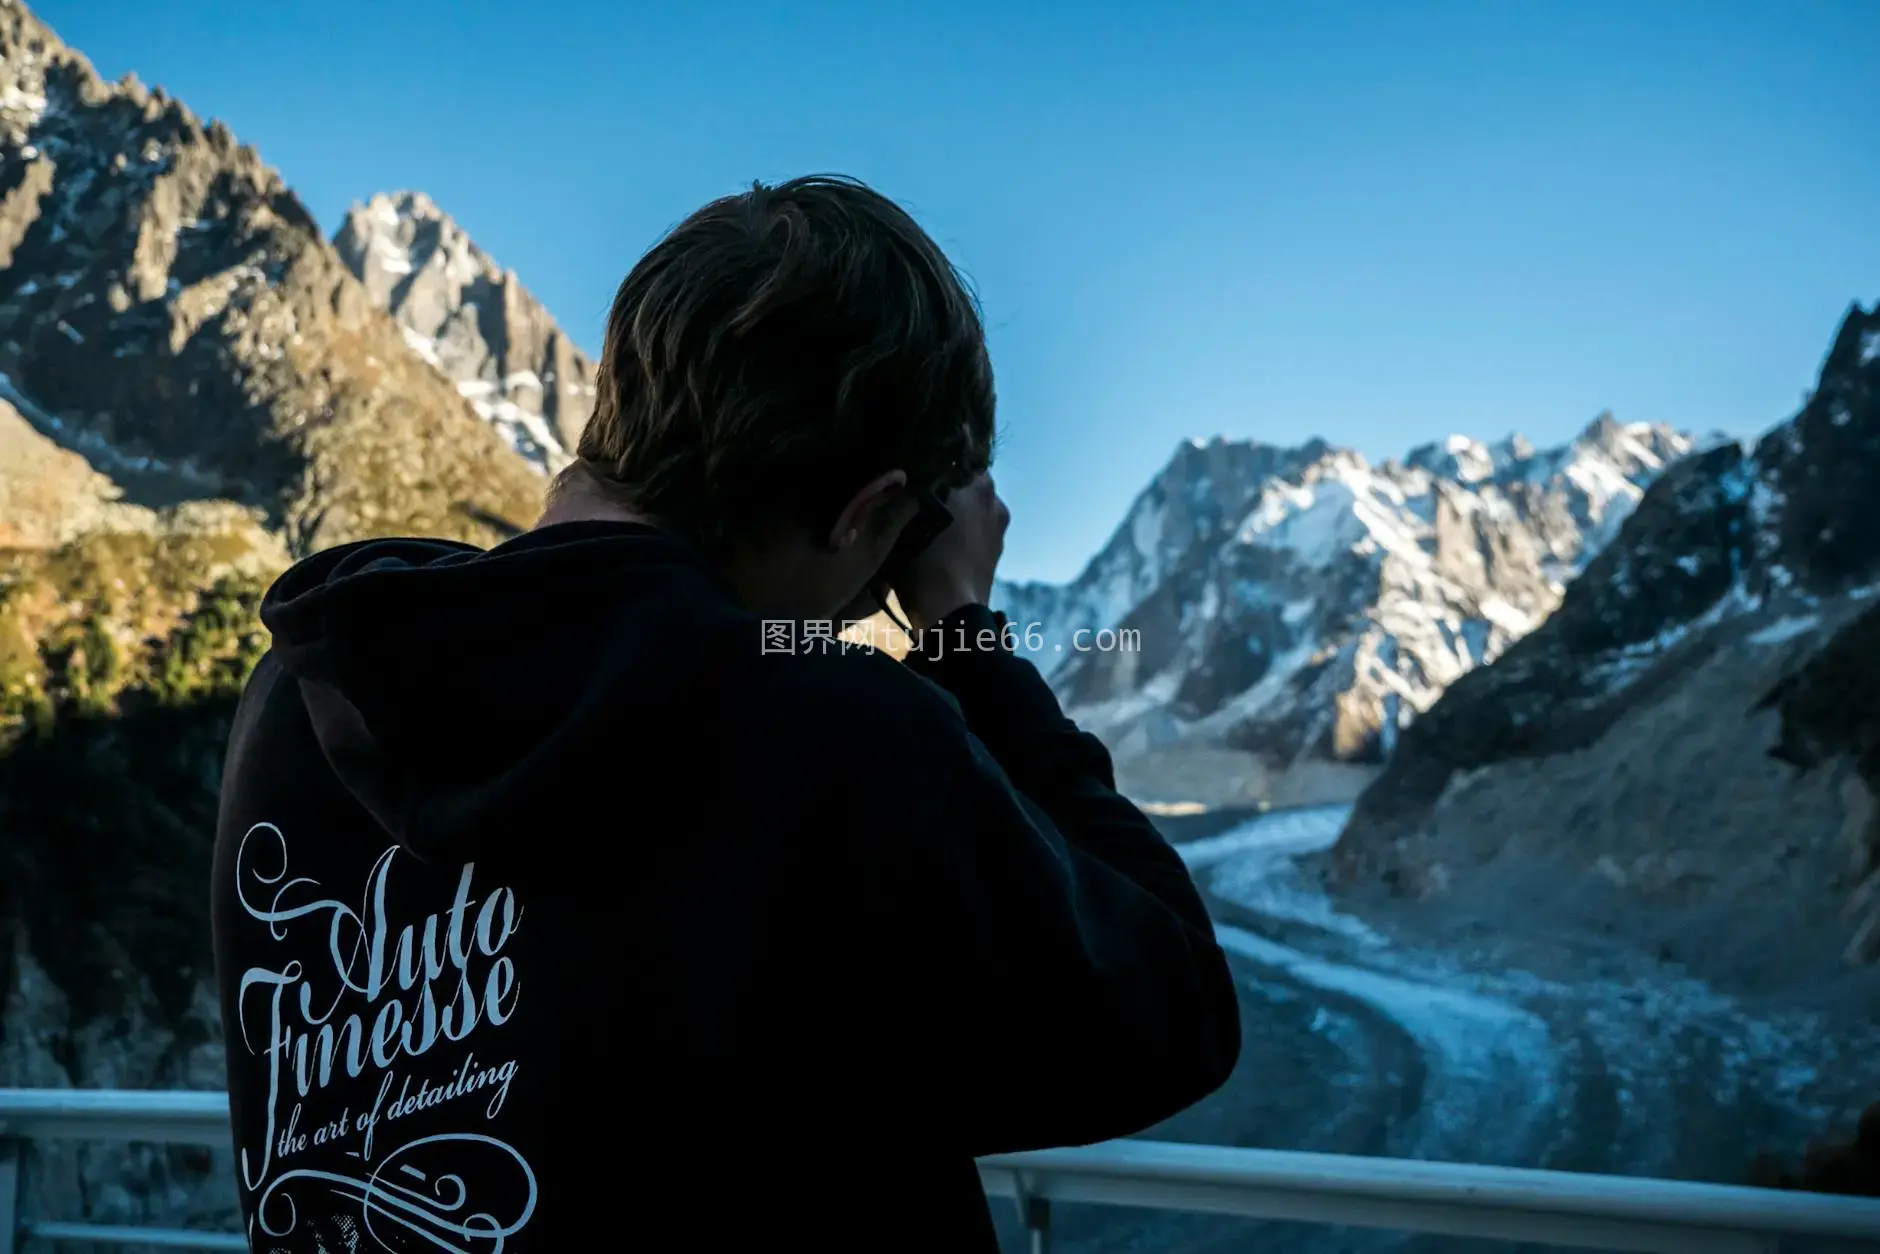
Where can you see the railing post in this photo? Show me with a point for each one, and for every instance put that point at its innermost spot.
(1033, 1211)
(1038, 1220)
(12, 1162)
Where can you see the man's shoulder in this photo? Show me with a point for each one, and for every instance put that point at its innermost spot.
(849, 689)
(260, 696)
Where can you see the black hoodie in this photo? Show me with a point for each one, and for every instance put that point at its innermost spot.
(560, 904)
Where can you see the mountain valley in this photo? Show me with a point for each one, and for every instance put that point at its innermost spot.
(1584, 868)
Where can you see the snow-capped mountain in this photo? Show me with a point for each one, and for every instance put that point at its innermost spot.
(1302, 604)
(1663, 728)
(473, 320)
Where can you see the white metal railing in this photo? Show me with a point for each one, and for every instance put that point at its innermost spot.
(1552, 1208)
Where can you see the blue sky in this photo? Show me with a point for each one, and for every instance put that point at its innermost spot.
(1375, 222)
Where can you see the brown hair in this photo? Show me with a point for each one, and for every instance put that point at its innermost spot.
(776, 351)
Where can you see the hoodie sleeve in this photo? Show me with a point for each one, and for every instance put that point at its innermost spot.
(1076, 970)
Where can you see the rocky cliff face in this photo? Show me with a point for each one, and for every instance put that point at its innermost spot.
(1686, 747)
(171, 308)
(1283, 611)
(473, 321)
(193, 389)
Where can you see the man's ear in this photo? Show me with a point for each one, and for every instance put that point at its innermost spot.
(881, 507)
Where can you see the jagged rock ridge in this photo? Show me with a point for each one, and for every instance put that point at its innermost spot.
(1694, 722)
(473, 320)
(170, 311)
(1301, 605)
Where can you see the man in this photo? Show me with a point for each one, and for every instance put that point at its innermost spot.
(569, 894)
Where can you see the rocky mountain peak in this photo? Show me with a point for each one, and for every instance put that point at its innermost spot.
(170, 312)
(1633, 446)
(473, 320)
(1686, 753)
(1811, 486)
(1302, 604)
(1733, 556)
(1461, 458)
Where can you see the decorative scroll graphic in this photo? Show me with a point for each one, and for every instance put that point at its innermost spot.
(408, 1002)
(400, 1197)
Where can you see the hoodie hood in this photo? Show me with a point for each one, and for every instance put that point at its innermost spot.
(447, 685)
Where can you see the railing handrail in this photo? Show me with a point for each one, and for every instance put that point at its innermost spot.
(164, 1116)
(1563, 1192)
(1557, 1207)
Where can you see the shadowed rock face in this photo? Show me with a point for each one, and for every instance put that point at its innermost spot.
(1829, 712)
(1300, 607)
(1739, 586)
(473, 321)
